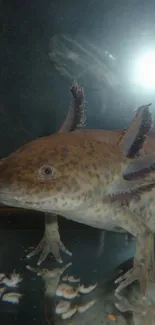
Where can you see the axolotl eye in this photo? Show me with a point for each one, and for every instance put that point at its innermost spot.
(48, 172)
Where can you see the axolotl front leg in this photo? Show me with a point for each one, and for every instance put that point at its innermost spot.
(51, 242)
(143, 266)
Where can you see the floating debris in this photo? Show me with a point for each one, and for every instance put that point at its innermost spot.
(112, 317)
(70, 279)
(65, 278)
(66, 291)
(83, 289)
(83, 308)
(62, 307)
(69, 313)
(12, 297)
(13, 280)
(2, 275)
(32, 269)
(2, 290)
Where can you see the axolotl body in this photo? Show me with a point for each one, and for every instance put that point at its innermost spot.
(88, 177)
(79, 176)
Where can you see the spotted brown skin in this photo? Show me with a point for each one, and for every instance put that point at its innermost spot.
(69, 174)
(77, 164)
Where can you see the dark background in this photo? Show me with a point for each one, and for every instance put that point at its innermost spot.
(34, 96)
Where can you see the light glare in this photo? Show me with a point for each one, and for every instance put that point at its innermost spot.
(145, 70)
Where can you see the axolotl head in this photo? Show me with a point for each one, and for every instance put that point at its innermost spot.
(56, 173)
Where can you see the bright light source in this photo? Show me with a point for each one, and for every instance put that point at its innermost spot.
(145, 70)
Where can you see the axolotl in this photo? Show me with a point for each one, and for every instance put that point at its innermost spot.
(86, 178)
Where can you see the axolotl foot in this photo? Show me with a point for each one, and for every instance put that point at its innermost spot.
(143, 313)
(136, 273)
(143, 268)
(50, 243)
(48, 246)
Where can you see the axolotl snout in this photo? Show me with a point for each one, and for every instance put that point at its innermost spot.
(84, 178)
